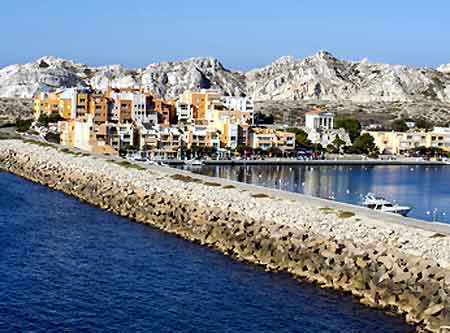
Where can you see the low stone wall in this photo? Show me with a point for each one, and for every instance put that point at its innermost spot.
(337, 249)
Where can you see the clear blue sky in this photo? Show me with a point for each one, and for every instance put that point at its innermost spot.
(243, 33)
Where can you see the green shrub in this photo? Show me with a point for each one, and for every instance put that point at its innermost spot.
(260, 195)
(344, 215)
(211, 184)
(128, 165)
(227, 187)
(186, 179)
(38, 143)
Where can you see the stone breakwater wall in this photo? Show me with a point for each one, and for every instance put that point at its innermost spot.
(336, 249)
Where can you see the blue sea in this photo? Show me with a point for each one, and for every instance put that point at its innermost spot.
(424, 188)
(66, 266)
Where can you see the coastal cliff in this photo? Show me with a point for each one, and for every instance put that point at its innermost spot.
(400, 268)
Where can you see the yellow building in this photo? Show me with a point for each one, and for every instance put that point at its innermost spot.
(65, 108)
(265, 138)
(45, 104)
(395, 143)
(440, 138)
(66, 131)
(200, 101)
(285, 140)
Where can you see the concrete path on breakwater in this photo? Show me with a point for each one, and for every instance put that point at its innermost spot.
(385, 260)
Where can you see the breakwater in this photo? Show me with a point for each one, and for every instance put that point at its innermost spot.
(386, 265)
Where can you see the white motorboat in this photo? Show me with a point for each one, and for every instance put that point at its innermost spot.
(381, 204)
(194, 162)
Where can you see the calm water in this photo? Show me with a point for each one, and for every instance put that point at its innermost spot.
(426, 189)
(67, 266)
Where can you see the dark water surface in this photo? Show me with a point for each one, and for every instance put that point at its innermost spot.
(425, 188)
(67, 266)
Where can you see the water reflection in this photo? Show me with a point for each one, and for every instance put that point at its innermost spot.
(426, 188)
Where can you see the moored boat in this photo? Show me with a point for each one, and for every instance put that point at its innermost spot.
(378, 203)
(194, 162)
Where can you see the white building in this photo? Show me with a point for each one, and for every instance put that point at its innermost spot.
(319, 120)
(185, 112)
(126, 134)
(82, 130)
(320, 128)
(244, 105)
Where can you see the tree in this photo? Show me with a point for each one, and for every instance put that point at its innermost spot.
(243, 149)
(364, 144)
(422, 123)
(44, 120)
(23, 125)
(301, 138)
(263, 119)
(52, 137)
(351, 126)
(338, 143)
(399, 125)
(429, 152)
(274, 151)
(332, 149)
(317, 147)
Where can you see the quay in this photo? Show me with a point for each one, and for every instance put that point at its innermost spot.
(312, 162)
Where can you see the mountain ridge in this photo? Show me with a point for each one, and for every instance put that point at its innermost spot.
(320, 77)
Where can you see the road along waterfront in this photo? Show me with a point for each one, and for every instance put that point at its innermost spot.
(387, 262)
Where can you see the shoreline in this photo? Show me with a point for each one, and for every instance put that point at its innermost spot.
(386, 261)
(314, 162)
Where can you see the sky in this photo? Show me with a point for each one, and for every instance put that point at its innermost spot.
(243, 34)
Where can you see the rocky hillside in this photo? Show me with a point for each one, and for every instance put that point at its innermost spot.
(324, 77)
(444, 69)
(168, 79)
(381, 113)
(319, 77)
(393, 90)
(13, 108)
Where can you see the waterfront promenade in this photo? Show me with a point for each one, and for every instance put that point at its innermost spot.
(384, 260)
(280, 161)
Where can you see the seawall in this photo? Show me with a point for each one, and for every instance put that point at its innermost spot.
(389, 265)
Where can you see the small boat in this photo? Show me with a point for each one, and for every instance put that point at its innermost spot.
(381, 204)
(194, 162)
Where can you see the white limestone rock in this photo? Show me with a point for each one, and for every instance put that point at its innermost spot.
(320, 77)
(444, 68)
